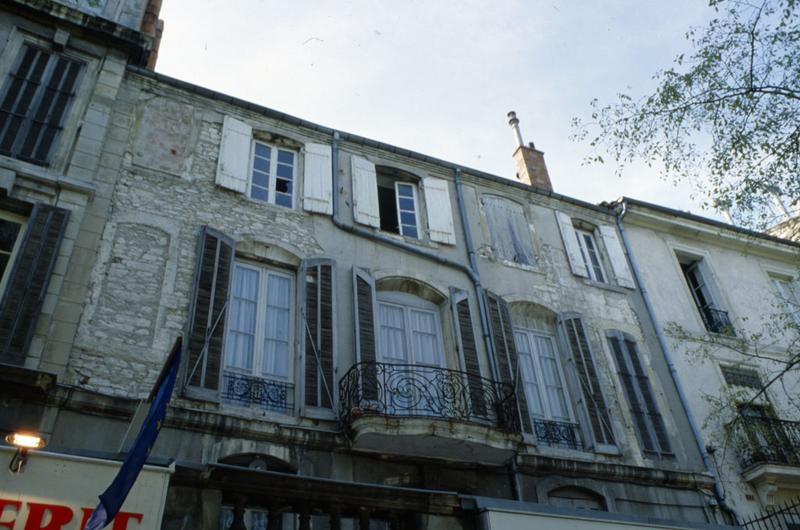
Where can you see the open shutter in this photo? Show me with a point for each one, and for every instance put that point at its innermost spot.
(596, 425)
(506, 351)
(468, 349)
(233, 164)
(571, 245)
(366, 332)
(365, 192)
(616, 255)
(440, 210)
(27, 283)
(317, 181)
(318, 332)
(207, 315)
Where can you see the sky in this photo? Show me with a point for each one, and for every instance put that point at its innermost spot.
(439, 77)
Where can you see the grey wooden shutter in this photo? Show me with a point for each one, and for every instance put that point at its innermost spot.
(581, 362)
(506, 351)
(616, 255)
(571, 247)
(206, 325)
(648, 422)
(366, 331)
(318, 332)
(27, 283)
(468, 349)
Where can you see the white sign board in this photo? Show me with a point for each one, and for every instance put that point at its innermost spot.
(59, 492)
(509, 520)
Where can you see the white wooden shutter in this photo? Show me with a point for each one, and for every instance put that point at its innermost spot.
(365, 192)
(440, 210)
(234, 155)
(616, 256)
(571, 244)
(317, 184)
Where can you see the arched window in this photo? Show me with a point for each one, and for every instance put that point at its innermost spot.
(409, 329)
(574, 497)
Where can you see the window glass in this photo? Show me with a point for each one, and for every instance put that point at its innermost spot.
(407, 208)
(392, 333)
(788, 297)
(272, 177)
(409, 334)
(590, 255)
(34, 102)
(242, 319)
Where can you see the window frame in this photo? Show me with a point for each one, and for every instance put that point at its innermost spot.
(408, 303)
(786, 290)
(586, 254)
(272, 176)
(259, 333)
(68, 117)
(415, 198)
(540, 382)
(12, 256)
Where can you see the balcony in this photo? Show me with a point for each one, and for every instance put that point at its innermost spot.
(769, 453)
(428, 411)
(717, 321)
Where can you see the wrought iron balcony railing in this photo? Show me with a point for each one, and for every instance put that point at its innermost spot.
(763, 440)
(717, 321)
(249, 391)
(400, 390)
(557, 433)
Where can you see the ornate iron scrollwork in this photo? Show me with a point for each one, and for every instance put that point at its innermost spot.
(251, 391)
(557, 433)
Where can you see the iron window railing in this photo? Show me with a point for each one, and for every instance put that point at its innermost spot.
(717, 321)
(784, 516)
(557, 434)
(402, 390)
(249, 391)
(764, 440)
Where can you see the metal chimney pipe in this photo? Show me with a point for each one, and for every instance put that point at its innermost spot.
(514, 123)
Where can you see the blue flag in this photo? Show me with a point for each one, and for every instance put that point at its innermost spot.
(111, 500)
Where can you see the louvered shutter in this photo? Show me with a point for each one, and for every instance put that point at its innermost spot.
(616, 255)
(365, 192)
(506, 350)
(571, 247)
(440, 210)
(648, 422)
(207, 315)
(583, 369)
(468, 349)
(27, 283)
(366, 332)
(318, 332)
(233, 164)
(317, 182)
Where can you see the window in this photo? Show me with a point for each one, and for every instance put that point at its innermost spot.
(590, 255)
(409, 333)
(744, 377)
(10, 237)
(34, 102)
(545, 388)
(398, 204)
(648, 422)
(258, 362)
(509, 231)
(714, 319)
(788, 297)
(273, 174)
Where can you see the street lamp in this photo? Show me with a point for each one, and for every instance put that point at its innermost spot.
(23, 441)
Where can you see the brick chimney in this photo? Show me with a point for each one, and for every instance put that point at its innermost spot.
(153, 27)
(531, 169)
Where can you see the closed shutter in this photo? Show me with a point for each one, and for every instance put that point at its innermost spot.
(648, 422)
(365, 192)
(233, 164)
(366, 342)
(581, 363)
(468, 349)
(206, 325)
(440, 210)
(318, 332)
(317, 181)
(616, 255)
(506, 351)
(27, 283)
(571, 245)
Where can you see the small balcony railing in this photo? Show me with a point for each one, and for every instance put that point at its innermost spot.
(763, 440)
(557, 434)
(717, 321)
(404, 390)
(255, 392)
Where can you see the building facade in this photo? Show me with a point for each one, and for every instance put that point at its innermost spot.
(374, 337)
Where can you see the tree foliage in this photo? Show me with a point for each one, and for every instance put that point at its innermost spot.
(726, 116)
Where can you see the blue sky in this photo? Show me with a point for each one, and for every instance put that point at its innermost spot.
(439, 76)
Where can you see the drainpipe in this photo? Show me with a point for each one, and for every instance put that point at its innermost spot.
(719, 492)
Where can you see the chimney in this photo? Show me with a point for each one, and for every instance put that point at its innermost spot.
(531, 169)
(153, 27)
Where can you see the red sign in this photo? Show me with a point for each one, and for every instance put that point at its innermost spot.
(41, 516)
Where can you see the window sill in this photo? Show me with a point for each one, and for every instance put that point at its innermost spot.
(410, 240)
(605, 286)
(514, 265)
(269, 205)
(46, 176)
